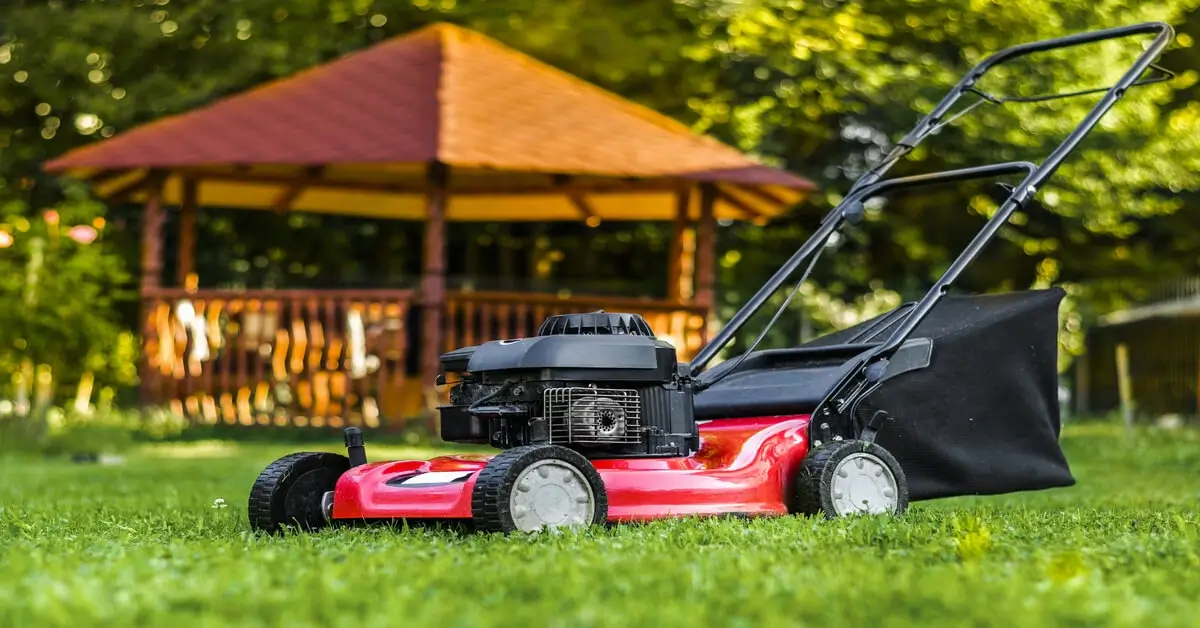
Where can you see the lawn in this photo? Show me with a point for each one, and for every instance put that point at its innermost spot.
(150, 542)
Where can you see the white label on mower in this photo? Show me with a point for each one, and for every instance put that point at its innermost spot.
(437, 477)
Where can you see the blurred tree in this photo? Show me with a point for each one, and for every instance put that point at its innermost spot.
(58, 284)
(824, 87)
(821, 87)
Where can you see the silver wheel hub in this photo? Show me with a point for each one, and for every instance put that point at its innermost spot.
(327, 505)
(863, 484)
(551, 494)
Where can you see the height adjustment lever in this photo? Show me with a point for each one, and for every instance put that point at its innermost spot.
(874, 424)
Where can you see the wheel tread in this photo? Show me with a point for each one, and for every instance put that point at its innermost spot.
(812, 490)
(269, 489)
(489, 502)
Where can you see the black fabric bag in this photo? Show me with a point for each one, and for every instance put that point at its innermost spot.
(983, 418)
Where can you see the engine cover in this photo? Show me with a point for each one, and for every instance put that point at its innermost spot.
(603, 394)
(593, 323)
(610, 357)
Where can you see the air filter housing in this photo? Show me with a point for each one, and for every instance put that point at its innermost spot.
(595, 323)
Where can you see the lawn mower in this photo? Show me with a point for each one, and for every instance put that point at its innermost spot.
(597, 421)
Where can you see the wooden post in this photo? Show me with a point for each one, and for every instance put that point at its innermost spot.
(538, 245)
(1083, 384)
(675, 271)
(433, 274)
(151, 279)
(1125, 386)
(706, 248)
(1198, 388)
(152, 224)
(187, 230)
(506, 258)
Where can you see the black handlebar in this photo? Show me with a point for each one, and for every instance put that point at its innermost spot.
(870, 180)
(927, 123)
(1164, 30)
(858, 382)
(831, 224)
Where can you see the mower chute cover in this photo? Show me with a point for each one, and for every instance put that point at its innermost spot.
(597, 421)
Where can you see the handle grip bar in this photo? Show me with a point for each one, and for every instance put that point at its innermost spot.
(923, 129)
(927, 123)
(831, 223)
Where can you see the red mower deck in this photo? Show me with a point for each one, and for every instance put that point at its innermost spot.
(744, 466)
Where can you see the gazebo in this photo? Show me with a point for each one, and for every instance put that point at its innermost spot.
(442, 124)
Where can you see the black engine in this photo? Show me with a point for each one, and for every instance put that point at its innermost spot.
(599, 383)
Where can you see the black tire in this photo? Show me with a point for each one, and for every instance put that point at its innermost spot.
(490, 505)
(287, 494)
(813, 492)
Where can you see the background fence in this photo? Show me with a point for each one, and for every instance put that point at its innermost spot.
(1157, 336)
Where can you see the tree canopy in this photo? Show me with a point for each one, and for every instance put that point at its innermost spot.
(822, 87)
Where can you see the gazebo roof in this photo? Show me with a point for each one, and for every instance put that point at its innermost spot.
(522, 140)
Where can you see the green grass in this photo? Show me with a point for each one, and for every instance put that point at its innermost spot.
(143, 544)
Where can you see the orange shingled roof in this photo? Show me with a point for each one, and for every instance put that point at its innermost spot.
(442, 93)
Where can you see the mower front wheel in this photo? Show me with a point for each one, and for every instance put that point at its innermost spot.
(537, 487)
(291, 491)
(852, 477)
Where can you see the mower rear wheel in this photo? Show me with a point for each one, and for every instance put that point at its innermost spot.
(538, 487)
(290, 492)
(852, 477)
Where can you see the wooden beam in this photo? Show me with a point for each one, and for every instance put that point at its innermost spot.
(675, 288)
(585, 209)
(747, 211)
(187, 230)
(582, 187)
(763, 195)
(283, 203)
(706, 248)
(100, 177)
(433, 273)
(311, 177)
(150, 178)
(549, 188)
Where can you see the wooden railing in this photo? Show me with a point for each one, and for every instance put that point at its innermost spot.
(330, 358)
(278, 356)
(474, 317)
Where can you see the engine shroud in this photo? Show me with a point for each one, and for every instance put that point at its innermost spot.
(602, 385)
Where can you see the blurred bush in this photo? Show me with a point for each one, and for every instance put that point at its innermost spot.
(59, 431)
(61, 339)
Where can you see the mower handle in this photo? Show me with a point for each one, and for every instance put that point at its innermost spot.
(924, 128)
(931, 121)
(843, 212)
(840, 405)
(946, 176)
(1078, 39)
(1048, 167)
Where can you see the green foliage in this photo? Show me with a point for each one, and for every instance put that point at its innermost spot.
(71, 433)
(57, 299)
(163, 539)
(105, 429)
(820, 87)
(825, 88)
